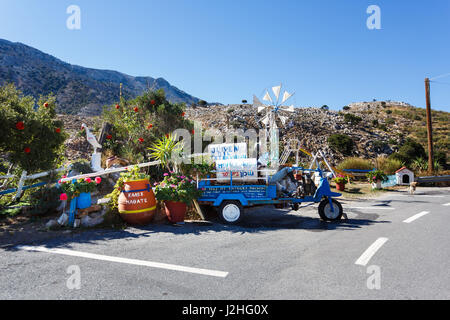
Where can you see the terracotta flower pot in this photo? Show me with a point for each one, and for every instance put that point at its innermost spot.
(340, 186)
(175, 211)
(137, 203)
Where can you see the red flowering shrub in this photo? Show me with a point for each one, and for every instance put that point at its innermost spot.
(139, 122)
(30, 136)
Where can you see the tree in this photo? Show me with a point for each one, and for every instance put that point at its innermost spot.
(341, 143)
(31, 138)
(325, 107)
(353, 119)
(202, 103)
(244, 101)
(409, 151)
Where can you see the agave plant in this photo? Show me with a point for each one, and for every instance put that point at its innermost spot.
(165, 150)
(420, 164)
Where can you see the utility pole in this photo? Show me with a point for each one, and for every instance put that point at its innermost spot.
(429, 127)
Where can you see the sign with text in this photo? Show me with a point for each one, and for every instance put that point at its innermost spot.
(241, 169)
(226, 151)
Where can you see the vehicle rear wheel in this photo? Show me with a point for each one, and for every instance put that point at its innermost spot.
(325, 212)
(230, 212)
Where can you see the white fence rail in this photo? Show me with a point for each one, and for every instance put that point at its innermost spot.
(24, 177)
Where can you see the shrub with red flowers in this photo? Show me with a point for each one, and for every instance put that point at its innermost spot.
(31, 138)
(137, 124)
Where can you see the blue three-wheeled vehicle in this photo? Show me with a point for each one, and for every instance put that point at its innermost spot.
(231, 199)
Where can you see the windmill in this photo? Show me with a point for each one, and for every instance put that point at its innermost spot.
(272, 113)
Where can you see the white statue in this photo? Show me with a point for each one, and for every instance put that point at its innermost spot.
(96, 157)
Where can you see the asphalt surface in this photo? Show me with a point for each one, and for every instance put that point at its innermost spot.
(273, 254)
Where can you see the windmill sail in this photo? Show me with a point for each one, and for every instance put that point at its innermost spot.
(276, 91)
(265, 120)
(286, 96)
(256, 102)
(267, 97)
(288, 109)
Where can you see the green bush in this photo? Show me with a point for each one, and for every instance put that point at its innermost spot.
(30, 136)
(409, 151)
(351, 118)
(341, 143)
(390, 121)
(379, 145)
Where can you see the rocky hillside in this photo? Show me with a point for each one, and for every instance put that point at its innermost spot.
(78, 90)
(376, 128)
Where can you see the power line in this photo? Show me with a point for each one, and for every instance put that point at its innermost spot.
(441, 76)
(438, 82)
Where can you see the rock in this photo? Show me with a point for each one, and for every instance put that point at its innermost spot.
(63, 219)
(88, 222)
(52, 224)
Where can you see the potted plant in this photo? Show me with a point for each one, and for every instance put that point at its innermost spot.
(80, 189)
(177, 192)
(136, 202)
(376, 177)
(198, 169)
(340, 181)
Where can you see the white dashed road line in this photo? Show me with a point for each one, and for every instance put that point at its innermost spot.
(446, 204)
(376, 208)
(416, 216)
(424, 195)
(368, 254)
(151, 264)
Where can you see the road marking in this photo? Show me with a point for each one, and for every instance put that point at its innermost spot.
(446, 204)
(151, 264)
(425, 195)
(368, 254)
(376, 208)
(416, 216)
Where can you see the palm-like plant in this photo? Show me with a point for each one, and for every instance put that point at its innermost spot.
(165, 150)
(420, 164)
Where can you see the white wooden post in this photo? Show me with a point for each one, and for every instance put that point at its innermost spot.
(23, 177)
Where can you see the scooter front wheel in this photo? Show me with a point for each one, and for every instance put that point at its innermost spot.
(327, 214)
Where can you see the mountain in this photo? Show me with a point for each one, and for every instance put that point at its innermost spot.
(78, 90)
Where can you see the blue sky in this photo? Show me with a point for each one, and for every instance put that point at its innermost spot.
(225, 51)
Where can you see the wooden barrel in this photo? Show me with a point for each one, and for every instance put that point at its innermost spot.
(137, 203)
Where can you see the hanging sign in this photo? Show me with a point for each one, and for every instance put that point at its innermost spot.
(226, 151)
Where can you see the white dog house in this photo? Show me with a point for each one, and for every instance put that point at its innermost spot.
(404, 176)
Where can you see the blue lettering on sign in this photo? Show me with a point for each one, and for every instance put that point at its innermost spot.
(247, 191)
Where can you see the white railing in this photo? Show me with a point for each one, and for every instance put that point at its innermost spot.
(125, 168)
(24, 177)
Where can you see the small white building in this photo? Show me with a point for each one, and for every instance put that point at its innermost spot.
(404, 176)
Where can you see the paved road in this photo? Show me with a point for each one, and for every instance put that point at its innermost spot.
(274, 254)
